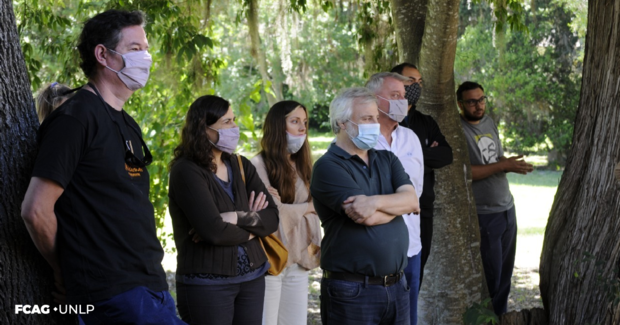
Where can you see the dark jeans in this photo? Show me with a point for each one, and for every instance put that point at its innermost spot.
(412, 273)
(498, 245)
(346, 302)
(426, 237)
(240, 303)
(137, 306)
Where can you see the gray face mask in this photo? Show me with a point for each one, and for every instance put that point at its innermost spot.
(294, 142)
(398, 109)
(136, 71)
(227, 139)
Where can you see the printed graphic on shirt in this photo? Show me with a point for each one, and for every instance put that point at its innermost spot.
(133, 171)
(488, 148)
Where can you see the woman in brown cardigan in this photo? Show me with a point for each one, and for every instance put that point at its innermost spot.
(284, 165)
(217, 218)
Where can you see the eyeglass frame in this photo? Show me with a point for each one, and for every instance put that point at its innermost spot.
(473, 102)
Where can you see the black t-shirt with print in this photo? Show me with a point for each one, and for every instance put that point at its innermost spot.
(106, 239)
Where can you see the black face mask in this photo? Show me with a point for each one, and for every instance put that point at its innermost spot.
(412, 93)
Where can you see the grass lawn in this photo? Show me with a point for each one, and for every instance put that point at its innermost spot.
(533, 194)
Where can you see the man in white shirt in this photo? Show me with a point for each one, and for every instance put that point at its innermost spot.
(404, 143)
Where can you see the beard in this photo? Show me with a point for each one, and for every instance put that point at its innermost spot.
(472, 118)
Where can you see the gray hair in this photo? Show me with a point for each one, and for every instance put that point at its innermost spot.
(341, 108)
(375, 82)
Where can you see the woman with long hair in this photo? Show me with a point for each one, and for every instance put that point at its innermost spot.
(218, 210)
(284, 164)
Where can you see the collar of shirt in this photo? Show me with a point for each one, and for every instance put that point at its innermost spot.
(336, 150)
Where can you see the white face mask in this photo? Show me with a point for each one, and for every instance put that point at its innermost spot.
(137, 68)
(398, 109)
(367, 135)
(294, 142)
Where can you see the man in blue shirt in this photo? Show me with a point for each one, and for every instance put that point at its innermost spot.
(360, 195)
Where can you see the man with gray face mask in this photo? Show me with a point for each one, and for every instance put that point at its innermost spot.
(436, 150)
(389, 89)
(87, 207)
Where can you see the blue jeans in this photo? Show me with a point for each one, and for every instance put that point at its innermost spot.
(346, 302)
(412, 273)
(498, 246)
(139, 306)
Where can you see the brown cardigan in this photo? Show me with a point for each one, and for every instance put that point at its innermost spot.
(196, 201)
(300, 231)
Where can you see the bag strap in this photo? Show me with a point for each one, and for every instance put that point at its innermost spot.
(241, 168)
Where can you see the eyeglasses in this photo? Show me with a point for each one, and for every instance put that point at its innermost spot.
(131, 160)
(473, 102)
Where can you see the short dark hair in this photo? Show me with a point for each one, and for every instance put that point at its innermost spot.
(466, 86)
(104, 28)
(399, 68)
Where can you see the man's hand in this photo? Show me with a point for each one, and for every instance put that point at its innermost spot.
(360, 207)
(434, 144)
(516, 165)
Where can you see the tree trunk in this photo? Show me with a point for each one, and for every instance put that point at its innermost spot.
(409, 19)
(26, 277)
(581, 250)
(258, 53)
(534, 316)
(453, 279)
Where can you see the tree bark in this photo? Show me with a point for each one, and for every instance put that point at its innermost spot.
(453, 278)
(581, 250)
(26, 277)
(259, 53)
(409, 18)
(534, 316)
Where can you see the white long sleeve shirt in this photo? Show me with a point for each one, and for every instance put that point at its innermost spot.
(406, 146)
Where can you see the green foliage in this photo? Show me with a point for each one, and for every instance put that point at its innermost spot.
(532, 79)
(184, 67)
(480, 314)
(511, 12)
(312, 55)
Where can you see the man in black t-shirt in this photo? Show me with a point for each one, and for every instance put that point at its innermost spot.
(87, 207)
(435, 149)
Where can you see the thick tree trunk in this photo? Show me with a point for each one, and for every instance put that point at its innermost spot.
(534, 316)
(453, 278)
(259, 53)
(409, 19)
(581, 250)
(26, 278)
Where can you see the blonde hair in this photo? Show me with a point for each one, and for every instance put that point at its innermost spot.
(50, 97)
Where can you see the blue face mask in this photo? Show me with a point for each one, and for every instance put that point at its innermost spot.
(367, 135)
